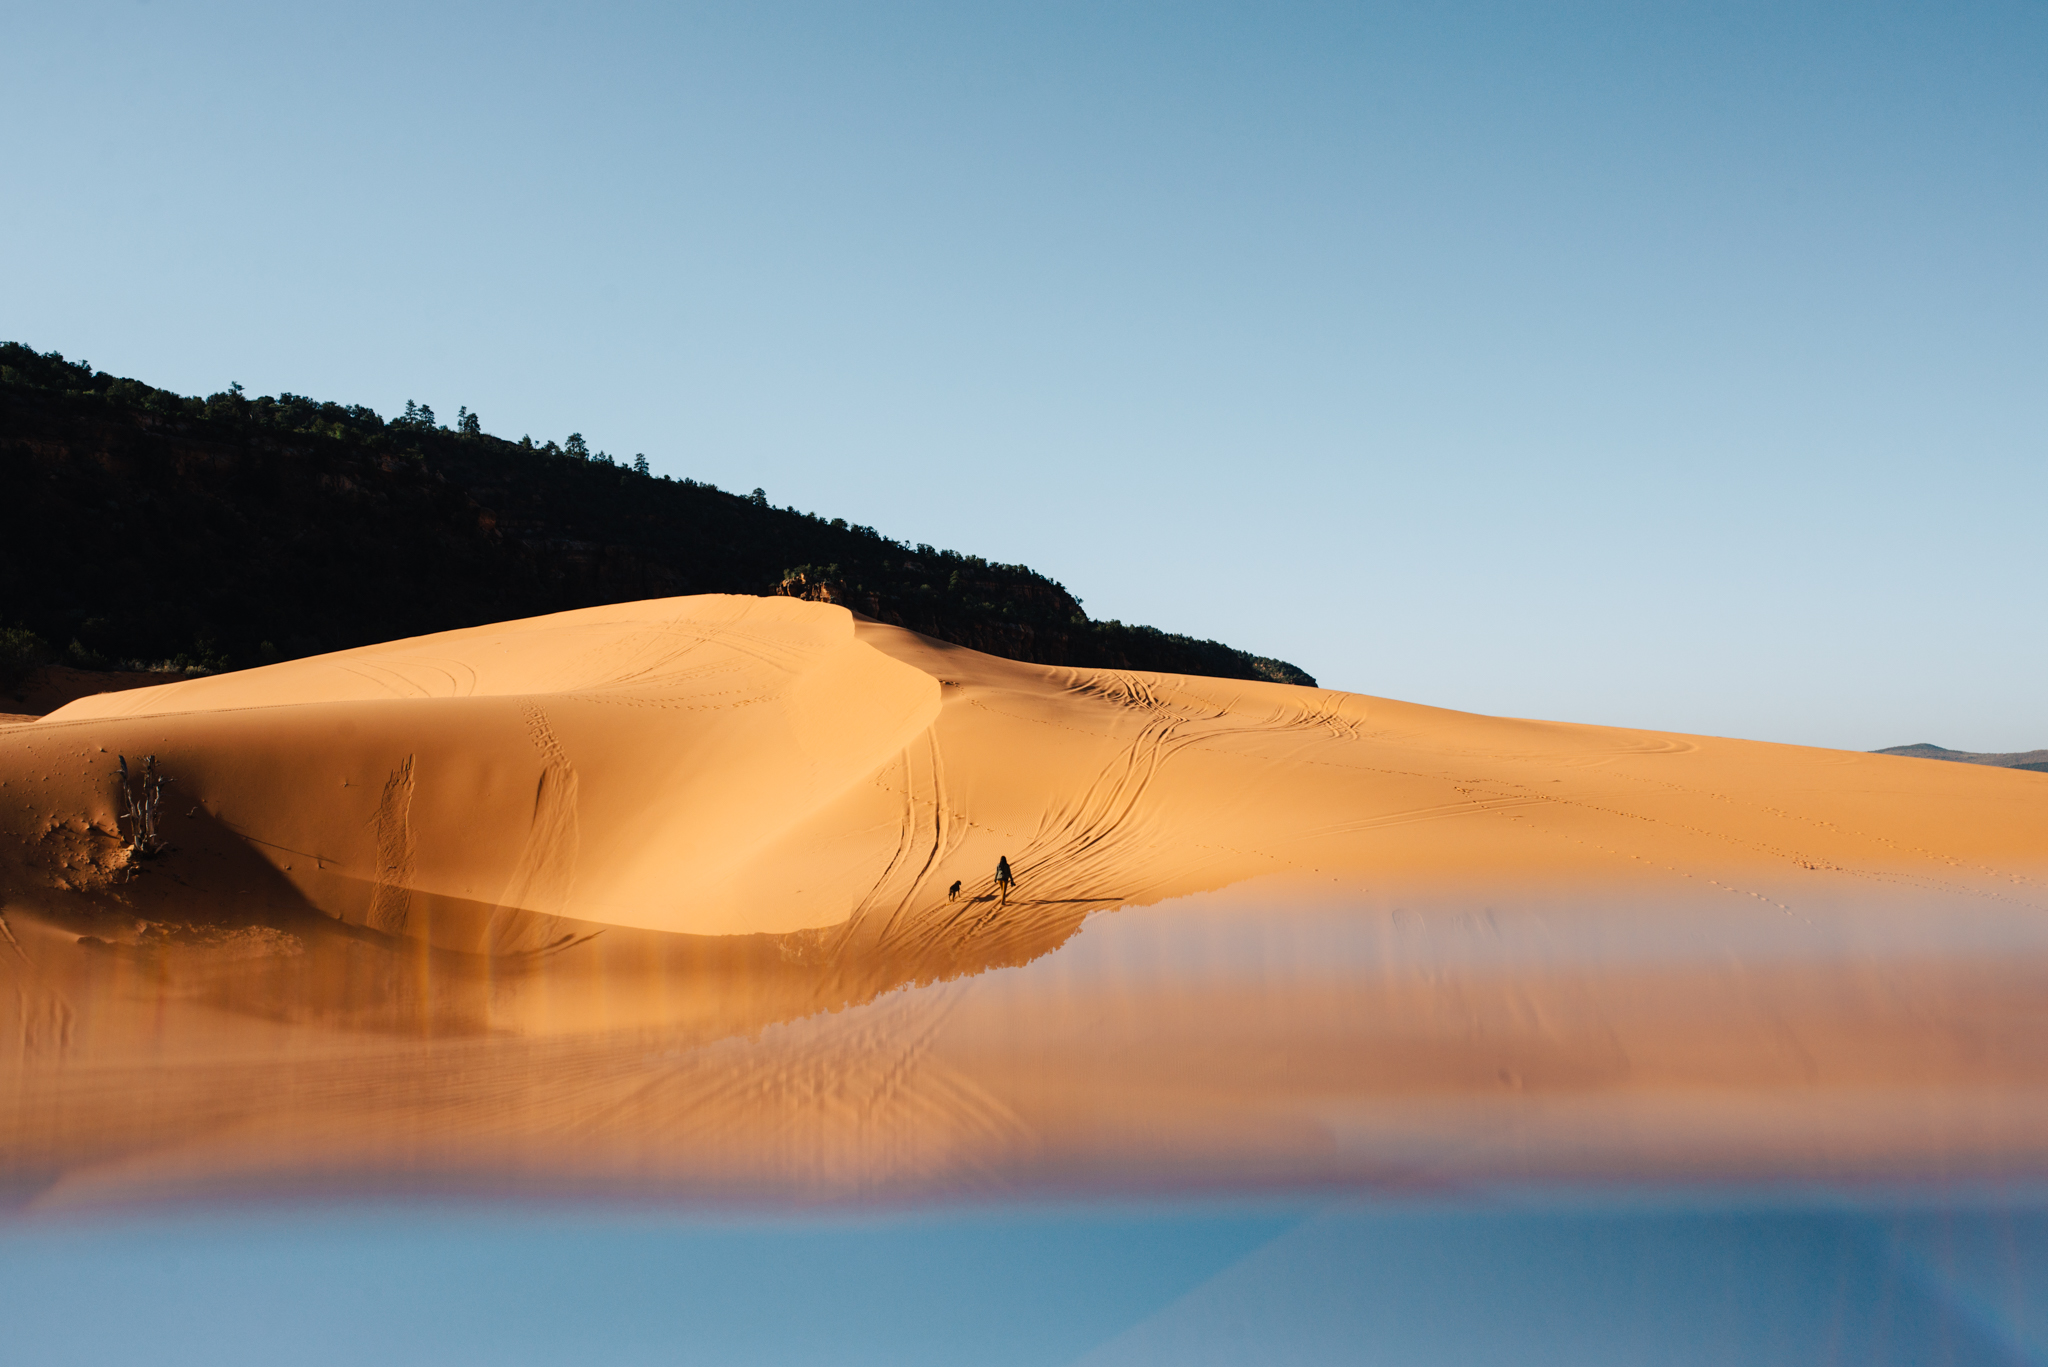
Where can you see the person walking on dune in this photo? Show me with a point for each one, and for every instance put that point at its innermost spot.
(953, 893)
(1004, 880)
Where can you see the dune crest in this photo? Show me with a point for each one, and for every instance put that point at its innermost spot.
(626, 766)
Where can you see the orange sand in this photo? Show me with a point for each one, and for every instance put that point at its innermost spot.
(618, 899)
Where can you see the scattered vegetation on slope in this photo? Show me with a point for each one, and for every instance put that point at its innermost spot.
(158, 530)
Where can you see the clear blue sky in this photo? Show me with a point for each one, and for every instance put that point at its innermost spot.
(1667, 365)
(1621, 1278)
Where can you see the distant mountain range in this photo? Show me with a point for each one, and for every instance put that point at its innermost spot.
(2036, 760)
(141, 528)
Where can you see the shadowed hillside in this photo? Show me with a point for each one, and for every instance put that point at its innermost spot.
(141, 526)
(2034, 760)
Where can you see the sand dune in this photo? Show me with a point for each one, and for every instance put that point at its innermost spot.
(610, 897)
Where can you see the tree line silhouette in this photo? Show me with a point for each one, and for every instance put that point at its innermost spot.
(144, 527)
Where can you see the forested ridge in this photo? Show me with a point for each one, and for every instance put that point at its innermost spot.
(146, 529)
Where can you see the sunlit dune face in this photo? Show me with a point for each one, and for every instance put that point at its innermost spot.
(660, 898)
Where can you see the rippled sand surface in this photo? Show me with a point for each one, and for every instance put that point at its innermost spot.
(653, 902)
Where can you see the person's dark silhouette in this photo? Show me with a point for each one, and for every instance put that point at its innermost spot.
(1004, 879)
(953, 893)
